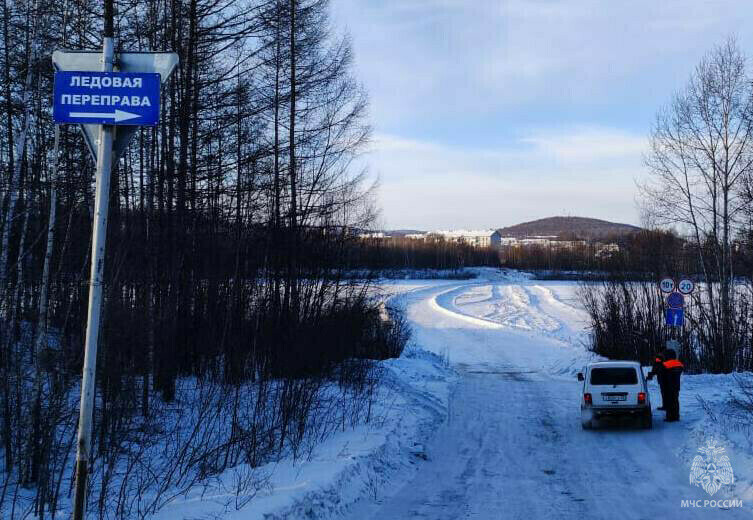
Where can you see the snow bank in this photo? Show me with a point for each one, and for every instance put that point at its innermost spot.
(349, 465)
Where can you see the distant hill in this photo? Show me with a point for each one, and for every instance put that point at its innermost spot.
(585, 228)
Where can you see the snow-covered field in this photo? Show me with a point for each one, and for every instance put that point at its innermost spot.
(480, 419)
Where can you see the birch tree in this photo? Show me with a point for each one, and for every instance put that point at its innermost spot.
(699, 159)
(20, 144)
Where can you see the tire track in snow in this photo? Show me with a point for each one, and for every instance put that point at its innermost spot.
(572, 321)
(512, 446)
(444, 303)
(509, 306)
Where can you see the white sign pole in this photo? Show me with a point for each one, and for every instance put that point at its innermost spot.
(99, 232)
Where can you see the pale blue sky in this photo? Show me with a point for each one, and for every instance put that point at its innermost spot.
(487, 113)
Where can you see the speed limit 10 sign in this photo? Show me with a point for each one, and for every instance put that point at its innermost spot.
(667, 285)
(685, 286)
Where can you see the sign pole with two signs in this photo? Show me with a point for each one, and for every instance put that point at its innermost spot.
(675, 300)
(109, 96)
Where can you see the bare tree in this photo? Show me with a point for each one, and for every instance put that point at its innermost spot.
(700, 157)
(243, 198)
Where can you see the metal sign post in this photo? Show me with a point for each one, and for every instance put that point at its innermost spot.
(101, 93)
(99, 232)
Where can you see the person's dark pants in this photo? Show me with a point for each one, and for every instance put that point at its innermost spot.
(672, 406)
(663, 392)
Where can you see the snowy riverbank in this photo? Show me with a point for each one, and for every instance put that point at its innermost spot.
(480, 415)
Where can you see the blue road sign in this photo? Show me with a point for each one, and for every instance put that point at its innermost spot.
(676, 300)
(110, 98)
(675, 317)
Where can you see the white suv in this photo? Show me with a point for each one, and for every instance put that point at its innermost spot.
(614, 388)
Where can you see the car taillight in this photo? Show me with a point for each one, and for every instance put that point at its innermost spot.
(587, 398)
(641, 398)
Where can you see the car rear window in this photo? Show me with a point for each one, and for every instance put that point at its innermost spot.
(614, 376)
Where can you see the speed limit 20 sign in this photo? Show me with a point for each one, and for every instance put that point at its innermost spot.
(686, 286)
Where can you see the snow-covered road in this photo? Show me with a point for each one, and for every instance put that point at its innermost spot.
(512, 446)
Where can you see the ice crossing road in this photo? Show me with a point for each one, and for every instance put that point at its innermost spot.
(512, 447)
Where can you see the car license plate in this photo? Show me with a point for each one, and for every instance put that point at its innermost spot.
(614, 398)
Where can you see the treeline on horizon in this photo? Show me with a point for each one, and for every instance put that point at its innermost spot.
(405, 253)
(648, 254)
(645, 254)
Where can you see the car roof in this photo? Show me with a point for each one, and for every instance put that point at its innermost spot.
(615, 364)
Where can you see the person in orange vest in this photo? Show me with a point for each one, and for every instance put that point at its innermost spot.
(672, 370)
(658, 370)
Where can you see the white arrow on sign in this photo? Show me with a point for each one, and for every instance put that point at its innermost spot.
(119, 115)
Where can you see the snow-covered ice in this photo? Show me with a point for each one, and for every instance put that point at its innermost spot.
(480, 419)
(512, 446)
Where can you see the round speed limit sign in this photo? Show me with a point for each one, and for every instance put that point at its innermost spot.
(686, 286)
(667, 285)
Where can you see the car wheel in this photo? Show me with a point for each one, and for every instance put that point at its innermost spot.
(586, 425)
(647, 420)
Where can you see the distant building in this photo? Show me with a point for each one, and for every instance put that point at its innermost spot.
(550, 241)
(475, 238)
(484, 238)
(375, 234)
